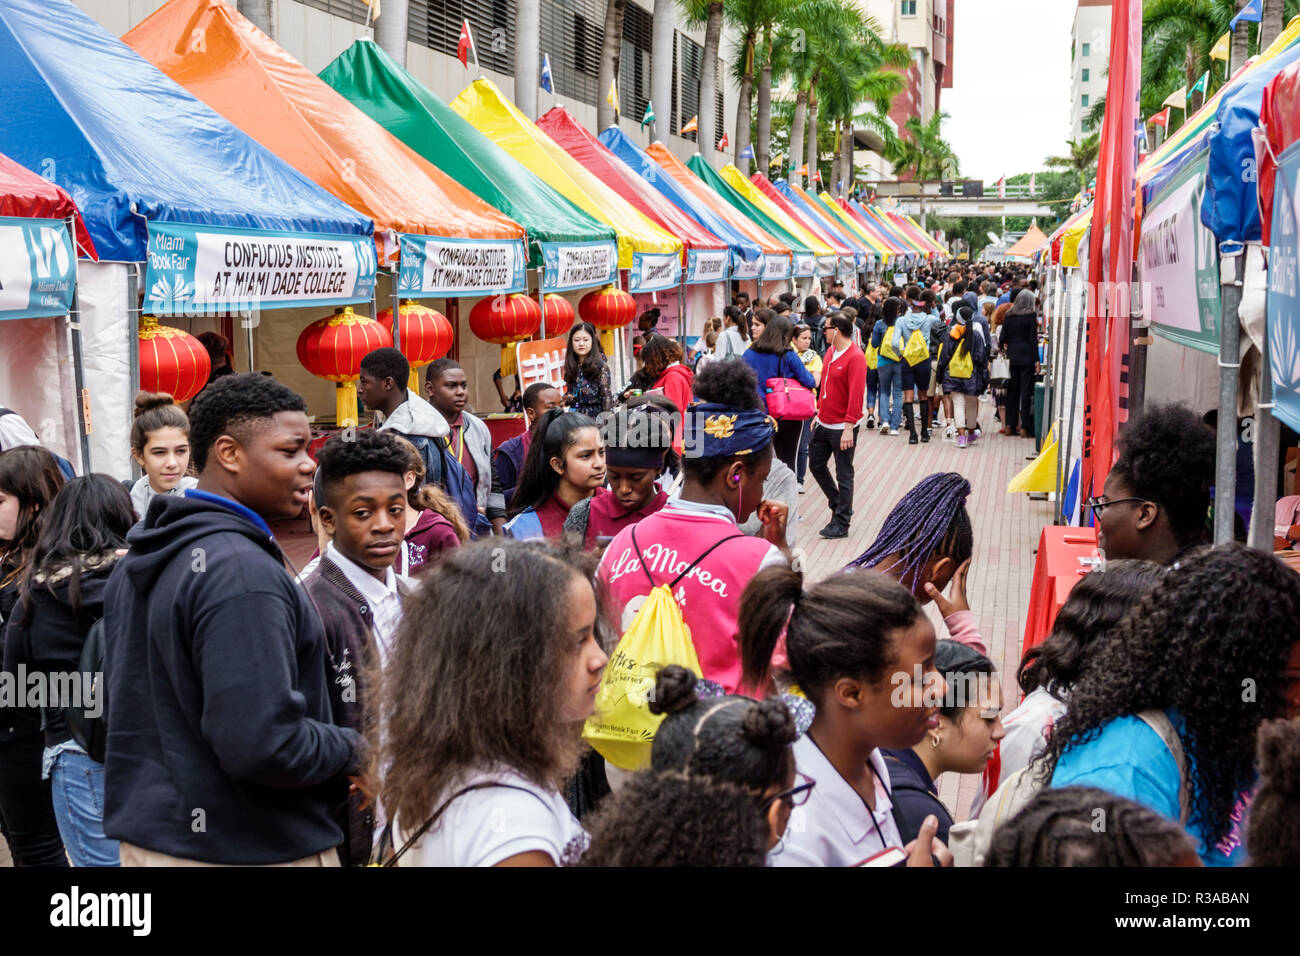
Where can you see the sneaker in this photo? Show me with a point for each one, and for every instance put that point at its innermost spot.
(911, 438)
(950, 433)
(834, 530)
(961, 441)
(871, 422)
(884, 428)
(925, 436)
(802, 489)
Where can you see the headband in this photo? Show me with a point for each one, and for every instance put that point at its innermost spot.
(717, 431)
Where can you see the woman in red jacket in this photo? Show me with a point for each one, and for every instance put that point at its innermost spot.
(661, 359)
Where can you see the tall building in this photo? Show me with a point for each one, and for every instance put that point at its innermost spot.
(1089, 56)
(572, 32)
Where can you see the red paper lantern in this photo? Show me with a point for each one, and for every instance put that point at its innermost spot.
(332, 348)
(607, 309)
(504, 320)
(171, 361)
(426, 335)
(557, 316)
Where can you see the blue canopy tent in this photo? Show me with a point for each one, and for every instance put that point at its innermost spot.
(222, 225)
(745, 252)
(862, 256)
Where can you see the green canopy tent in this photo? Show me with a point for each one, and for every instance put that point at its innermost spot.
(574, 249)
(714, 181)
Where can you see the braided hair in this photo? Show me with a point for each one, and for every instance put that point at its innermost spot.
(1059, 828)
(929, 521)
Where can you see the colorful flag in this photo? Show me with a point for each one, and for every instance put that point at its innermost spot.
(816, 176)
(1161, 118)
(802, 170)
(1252, 12)
(1177, 99)
(649, 116)
(373, 14)
(547, 82)
(693, 126)
(612, 96)
(1203, 84)
(1002, 188)
(1221, 46)
(747, 152)
(464, 45)
(723, 143)
(1110, 259)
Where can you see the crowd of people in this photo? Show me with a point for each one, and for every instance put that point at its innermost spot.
(423, 691)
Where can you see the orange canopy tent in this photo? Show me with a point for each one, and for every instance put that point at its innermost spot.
(244, 75)
(1029, 243)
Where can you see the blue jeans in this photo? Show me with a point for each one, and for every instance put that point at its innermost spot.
(804, 440)
(891, 384)
(873, 392)
(78, 786)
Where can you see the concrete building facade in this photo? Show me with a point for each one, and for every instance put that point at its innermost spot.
(1089, 57)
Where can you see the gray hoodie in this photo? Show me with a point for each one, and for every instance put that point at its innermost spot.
(416, 416)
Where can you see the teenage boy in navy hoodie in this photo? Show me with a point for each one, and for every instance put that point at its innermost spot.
(361, 495)
(222, 748)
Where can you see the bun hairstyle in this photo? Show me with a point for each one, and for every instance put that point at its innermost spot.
(730, 739)
(155, 410)
(841, 627)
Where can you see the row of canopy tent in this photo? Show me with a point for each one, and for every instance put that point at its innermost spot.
(224, 177)
(1217, 269)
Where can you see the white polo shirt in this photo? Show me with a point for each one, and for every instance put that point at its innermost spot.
(382, 596)
(835, 828)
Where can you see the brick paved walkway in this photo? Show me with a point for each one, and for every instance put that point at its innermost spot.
(1006, 530)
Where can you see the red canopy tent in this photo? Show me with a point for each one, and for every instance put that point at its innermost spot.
(27, 195)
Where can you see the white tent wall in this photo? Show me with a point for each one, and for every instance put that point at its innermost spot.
(37, 381)
(106, 326)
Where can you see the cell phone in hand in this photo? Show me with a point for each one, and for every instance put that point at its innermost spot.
(890, 856)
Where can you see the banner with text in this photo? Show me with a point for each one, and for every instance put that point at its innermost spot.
(706, 265)
(541, 361)
(37, 268)
(826, 265)
(805, 264)
(1178, 265)
(198, 270)
(1284, 289)
(653, 271)
(435, 266)
(776, 267)
(577, 265)
(746, 268)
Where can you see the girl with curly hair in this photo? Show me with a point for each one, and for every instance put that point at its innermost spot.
(720, 788)
(1213, 649)
(496, 666)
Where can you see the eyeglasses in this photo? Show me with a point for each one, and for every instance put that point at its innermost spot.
(796, 796)
(1095, 505)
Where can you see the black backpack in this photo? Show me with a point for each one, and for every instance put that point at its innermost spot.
(91, 732)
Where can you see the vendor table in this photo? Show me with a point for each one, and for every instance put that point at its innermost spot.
(1056, 571)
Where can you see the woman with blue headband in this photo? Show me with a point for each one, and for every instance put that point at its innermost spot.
(695, 539)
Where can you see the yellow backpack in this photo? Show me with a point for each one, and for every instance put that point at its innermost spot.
(887, 348)
(961, 365)
(872, 354)
(918, 349)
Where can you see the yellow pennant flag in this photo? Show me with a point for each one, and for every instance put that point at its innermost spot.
(1220, 49)
(374, 8)
(1039, 474)
(612, 97)
(1177, 99)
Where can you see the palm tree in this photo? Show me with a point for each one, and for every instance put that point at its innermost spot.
(708, 13)
(1270, 26)
(877, 89)
(1082, 159)
(922, 154)
(747, 17)
(610, 54)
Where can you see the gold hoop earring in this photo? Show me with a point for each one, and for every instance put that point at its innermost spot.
(934, 742)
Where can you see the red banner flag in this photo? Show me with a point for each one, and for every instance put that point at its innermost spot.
(1110, 250)
(463, 47)
(1161, 118)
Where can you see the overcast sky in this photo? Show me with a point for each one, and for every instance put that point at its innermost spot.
(1010, 103)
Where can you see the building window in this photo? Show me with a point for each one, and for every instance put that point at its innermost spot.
(909, 8)
(634, 65)
(1085, 76)
(1087, 48)
(436, 24)
(354, 10)
(1085, 100)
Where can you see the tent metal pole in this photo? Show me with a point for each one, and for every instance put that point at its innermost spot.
(396, 306)
(78, 358)
(1267, 438)
(133, 311)
(1231, 269)
(1055, 339)
(1139, 339)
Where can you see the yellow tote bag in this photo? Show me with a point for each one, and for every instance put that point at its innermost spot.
(873, 355)
(887, 347)
(961, 365)
(918, 350)
(622, 728)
